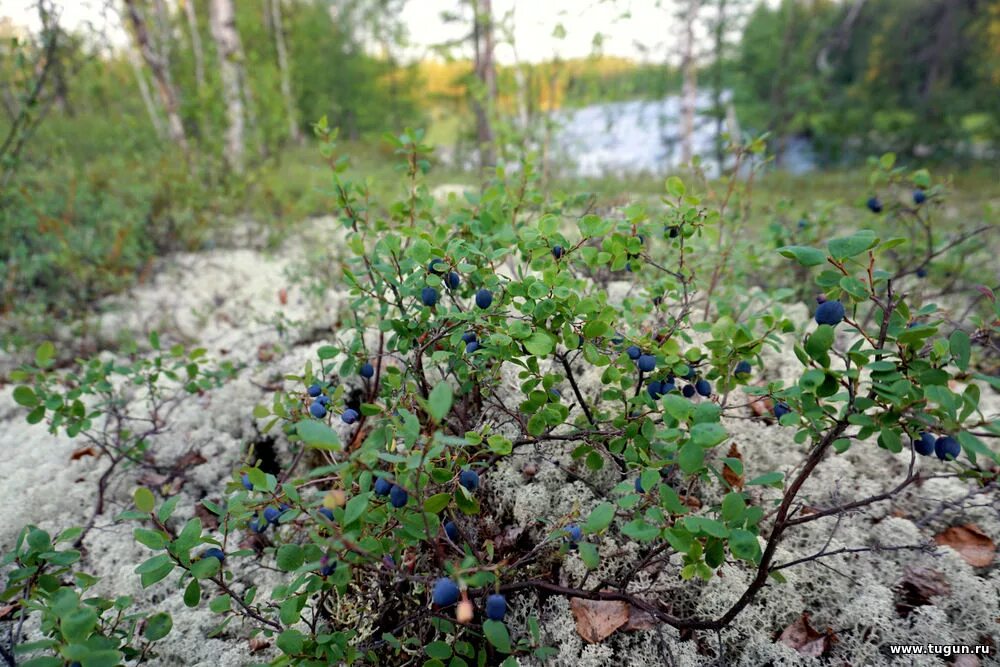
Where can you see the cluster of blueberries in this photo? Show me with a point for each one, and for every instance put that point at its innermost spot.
(446, 593)
(318, 407)
(657, 388)
(429, 296)
(945, 447)
(875, 204)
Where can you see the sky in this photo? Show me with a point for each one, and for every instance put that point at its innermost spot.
(637, 29)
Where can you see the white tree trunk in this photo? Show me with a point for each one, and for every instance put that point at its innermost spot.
(164, 84)
(285, 69)
(689, 93)
(147, 99)
(199, 54)
(222, 19)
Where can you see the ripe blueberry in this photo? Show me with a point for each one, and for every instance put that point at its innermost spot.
(922, 272)
(469, 479)
(468, 336)
(647, 363)
(919, 197)
(924, 445)
(638, 485)
(327, 567)
(557, 251)
(247, 484)
(574, 533)
(398, 496)
(703, 387)
(214, 552)
(657, 300)
(743, 368)
(315, 390)
(654, 389)
(323, 400)
(831, 312)
(433, 266)
(453, 280)
(382, 486)
(633, 352)
(667, 386)
(317, 410)
(445, 592)
(451, 530)
(484, 298)
(429, 296)
(947, 448)
(688, 390)
(471, 347)
(327, 513)
(673, 231)
(690, 375)
(272, 514)
(781, 409)
(874, 205)
(367, 370)
(496, 607)
(350, 416)
(258, 525)
(802, 223)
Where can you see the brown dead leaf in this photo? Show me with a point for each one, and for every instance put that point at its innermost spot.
(83, 451)
(190, 460)
(691, 501)
(733, 478)
(639, 620)
(265, 352)
(7, 611)
(918, 586)
(258, 644)
(507, 539)
(802, 637)
(762, 406)
(971, 543)
(208, 519)
(598, 619)
(283, 296)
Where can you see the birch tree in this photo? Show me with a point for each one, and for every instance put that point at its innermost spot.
(222, 20)
(191, 15)
(284, 69)
(485, 68)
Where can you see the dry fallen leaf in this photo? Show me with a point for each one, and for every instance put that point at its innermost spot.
(598, 619)
(83, 451)
(734, 479)
(639, 620)
(283, 296)
(6, 611)
(802, 637)
(691, 501)
(918, 586)
(190, 460)
(259, 644)
(971, 543)
(208, 519)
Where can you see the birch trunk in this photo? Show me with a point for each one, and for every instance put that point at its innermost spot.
(689, 93)
(135, 61)
(222, 20)
(199, 54)
(284, 68)
(164, 84)
(486, 73)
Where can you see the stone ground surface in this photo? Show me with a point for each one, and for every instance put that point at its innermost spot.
(228, 301)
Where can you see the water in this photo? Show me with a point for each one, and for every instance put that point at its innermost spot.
(643, 137)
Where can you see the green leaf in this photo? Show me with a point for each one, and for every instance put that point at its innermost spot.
(290, 641)
(589, 555)
(437, 502)
(439, 402)
(640, 531)
(25, 396)
(804, 255)
(540, 344)
(820, 342)
(77, 625)
(600, 518)
(744, 545)
(289, 557)
(675, 187)
(355, 507)
(154, 539)
(144, 500)
(221, 604)
(317, 434)
(44, 354)
(708, 435)
(690, 457)
(733, 506)
(439, 650)
(192, 594)
(496, 633)
(205, 568)
(959, 345)
(158, 626)
(848, 246)
(769, 479)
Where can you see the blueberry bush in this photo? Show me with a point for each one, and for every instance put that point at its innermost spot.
(382, 523)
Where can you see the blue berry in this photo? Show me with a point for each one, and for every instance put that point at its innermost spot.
(672, 231)
(327, 566)
(557, 251)
(574, 533)
(317, 410)
(453, 280)
(703, 387)
(803, 223)
(922, 272)
(451, 530)
(398, 496)
(247, 484)
(874, 205)
(327, 513)
(638, 485)
(647, 363)
(667, 386)
(924, 445)
(830, 312)
(315, 390)
(919, 197)
(654, 389)
(382, 487)
(323, 400)
(496, 607)
(468, 336)
(350, 416)
(690, 375)
(471, 347)
(469, 479)
(688, 390)
(433, 266)
(429, 296)
(781, 409)
(214, 552)
(743, 368)
(633, 352)
(555, 393)
(445, 592)
(484, 298)
(947, 448)
(272, 514)
(367, 370)
(258, 525)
